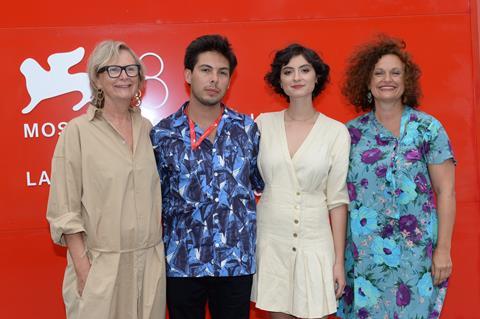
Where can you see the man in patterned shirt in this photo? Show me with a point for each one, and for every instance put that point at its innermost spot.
(206, 155)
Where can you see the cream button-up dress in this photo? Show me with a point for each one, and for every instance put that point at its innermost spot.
(295, 253)
(102, 188)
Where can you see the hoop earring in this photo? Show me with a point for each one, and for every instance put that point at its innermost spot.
(98, 99)
(137, 99)
(369, 97)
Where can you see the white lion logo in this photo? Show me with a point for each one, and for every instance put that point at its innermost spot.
(42, 84)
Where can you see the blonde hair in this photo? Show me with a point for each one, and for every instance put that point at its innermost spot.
(103, 53)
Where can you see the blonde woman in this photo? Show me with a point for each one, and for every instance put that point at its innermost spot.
(105, 198)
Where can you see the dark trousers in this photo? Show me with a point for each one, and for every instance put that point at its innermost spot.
(227, 297)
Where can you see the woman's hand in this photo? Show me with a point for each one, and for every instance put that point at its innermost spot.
(82, 268)
(338, 217)
(441, 265)
(443, 182)
(339, 279)
(81, 263)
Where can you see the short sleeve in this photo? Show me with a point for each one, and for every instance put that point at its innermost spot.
(437, 147)
(155, 137)
(258, 121)
(336, 182)
(64, 201)
(255, 178)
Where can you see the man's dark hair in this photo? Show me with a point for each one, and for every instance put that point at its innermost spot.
(206, 43)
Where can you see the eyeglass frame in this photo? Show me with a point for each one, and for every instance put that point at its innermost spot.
(122, 68)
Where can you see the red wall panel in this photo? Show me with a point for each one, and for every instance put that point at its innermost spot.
(442, 36)
(61, 13)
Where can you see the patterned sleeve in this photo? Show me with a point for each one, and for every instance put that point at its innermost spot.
(255, 177)
(64, 212)
(437, 146)
(158, 150)
(336, 182)
(155, 138)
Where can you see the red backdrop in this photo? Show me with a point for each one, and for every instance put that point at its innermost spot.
(442, 35)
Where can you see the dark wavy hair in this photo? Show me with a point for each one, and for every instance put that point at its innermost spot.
(206, 43)
(360, 68)
(282, 57)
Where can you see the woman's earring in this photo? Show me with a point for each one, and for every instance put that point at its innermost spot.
(137, 99)
(369, 97)
(98, 99)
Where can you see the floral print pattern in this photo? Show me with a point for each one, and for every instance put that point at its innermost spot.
(393, 221)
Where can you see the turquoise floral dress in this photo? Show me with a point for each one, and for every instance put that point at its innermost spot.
(393, 221)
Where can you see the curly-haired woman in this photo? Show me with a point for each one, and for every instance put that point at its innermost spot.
(303, 160)
(398, 243)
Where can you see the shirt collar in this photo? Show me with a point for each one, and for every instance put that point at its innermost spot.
(92, 111)
(384, 133)
(180, 118)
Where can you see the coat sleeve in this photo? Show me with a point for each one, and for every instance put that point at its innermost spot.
(336, 182)
(64, 211)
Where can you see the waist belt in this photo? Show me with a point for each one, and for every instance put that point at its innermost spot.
(101, 250)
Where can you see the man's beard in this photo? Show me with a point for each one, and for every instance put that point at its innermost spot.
(208, 102)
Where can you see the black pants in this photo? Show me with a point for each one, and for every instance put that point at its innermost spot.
(228, 297)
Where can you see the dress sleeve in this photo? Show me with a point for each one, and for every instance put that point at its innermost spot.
(336, 182)
(64, 212)
(437, 146)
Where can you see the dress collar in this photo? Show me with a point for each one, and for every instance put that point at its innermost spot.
(383, 132)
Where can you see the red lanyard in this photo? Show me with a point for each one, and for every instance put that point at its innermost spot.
(193, 138)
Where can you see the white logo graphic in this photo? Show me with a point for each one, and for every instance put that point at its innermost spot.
(156, 77)
(42, 84)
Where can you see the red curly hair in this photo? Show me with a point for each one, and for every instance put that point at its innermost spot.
(360, 68)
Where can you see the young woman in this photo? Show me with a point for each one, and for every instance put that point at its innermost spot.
(303, 160)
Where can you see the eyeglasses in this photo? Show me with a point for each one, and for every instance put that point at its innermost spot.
(114, 71)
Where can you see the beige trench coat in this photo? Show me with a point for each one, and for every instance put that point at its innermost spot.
(101, 188)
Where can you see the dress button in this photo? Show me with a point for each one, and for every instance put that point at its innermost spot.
(298, 193)
(214, 150)
(296, 221)
(294, 249)
(215, 174)
(216, 199)
(295, 235)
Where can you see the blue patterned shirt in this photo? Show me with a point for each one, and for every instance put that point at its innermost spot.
(209, 216)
